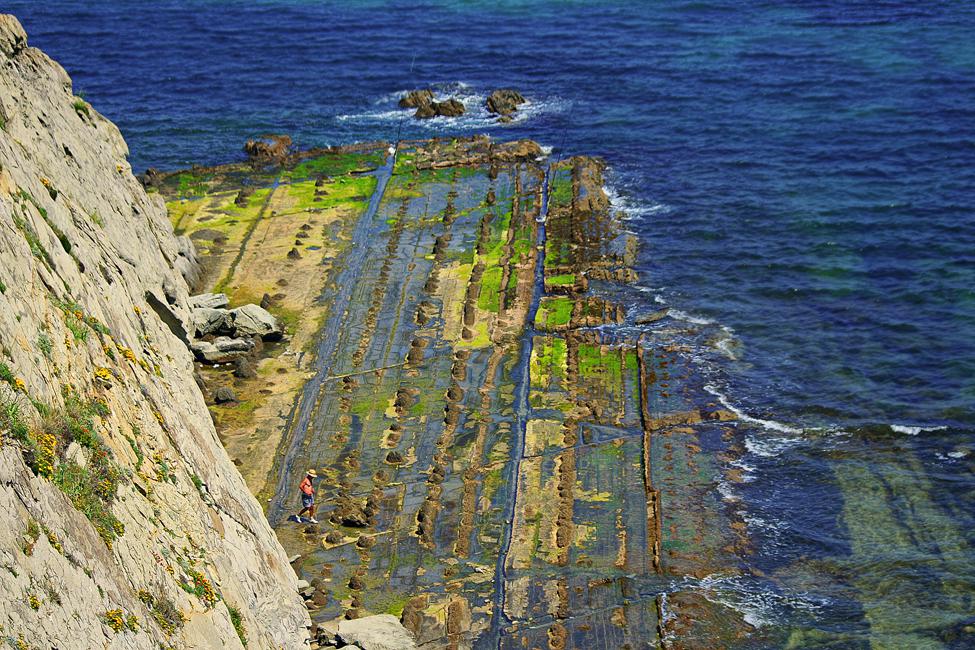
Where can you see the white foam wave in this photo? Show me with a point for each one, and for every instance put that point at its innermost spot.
(631, 209)
(768, 424)
(758, 605)
(746, 469)
(727, 343)
(727, 492)
(476, 115)
(913, 431)
(691, 318)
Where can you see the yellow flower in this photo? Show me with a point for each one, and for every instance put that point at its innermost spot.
(20, 385)
(46, 454)
(114, 618)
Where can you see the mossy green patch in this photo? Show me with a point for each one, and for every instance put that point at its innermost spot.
(335, 164)
(561, 280)
(489, 298)
(554, 312)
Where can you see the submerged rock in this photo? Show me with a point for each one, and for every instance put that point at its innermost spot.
(224, 395)
(653, 316)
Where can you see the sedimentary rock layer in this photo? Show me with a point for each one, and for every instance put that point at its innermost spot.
(123, 523)
(506, 460)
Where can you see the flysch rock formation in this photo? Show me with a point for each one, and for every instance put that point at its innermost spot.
(123, 524)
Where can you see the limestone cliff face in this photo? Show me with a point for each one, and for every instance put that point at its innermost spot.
(123, 524)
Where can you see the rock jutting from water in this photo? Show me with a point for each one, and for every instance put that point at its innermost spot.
(427, 106)
(504, 103)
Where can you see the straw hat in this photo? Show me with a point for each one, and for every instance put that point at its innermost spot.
(312, 473)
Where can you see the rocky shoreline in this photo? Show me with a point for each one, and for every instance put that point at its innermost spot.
(470, 355)
(508, 456)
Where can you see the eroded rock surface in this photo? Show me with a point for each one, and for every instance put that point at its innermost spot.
(123, 524)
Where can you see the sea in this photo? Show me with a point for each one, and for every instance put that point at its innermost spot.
(801, 176)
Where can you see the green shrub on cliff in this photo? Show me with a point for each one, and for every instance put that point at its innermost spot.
(238, 622)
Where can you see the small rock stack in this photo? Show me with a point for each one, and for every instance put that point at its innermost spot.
(426, 106)
(504, 103)
(223, 335)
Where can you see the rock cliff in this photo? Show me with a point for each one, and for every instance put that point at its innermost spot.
(123, 524)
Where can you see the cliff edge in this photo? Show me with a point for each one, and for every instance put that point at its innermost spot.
(123, 523)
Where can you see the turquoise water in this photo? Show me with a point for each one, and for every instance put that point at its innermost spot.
(802, 175)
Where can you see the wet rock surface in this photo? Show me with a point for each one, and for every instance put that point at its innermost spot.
(427, 106)
(504, 103)
(499, 484)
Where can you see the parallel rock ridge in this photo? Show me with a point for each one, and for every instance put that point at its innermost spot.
(123, 524)
(505, 458)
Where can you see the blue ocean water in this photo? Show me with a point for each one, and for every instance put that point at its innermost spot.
(802, 176)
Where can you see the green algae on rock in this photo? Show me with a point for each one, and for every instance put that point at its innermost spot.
(502, 466)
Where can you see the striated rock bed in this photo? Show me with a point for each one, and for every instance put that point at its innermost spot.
(123, 523)
(507, 457)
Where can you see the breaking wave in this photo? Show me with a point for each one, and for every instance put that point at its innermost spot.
(913, 430)
(476, 117)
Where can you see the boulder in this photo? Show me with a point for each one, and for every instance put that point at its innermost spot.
(268, 148)
(504, 101)
(349, 513)
(224, 395)
(227, 344)
(449, 108)
(244, 369)
(379, 632)
(76, 453)
(424, 112)
(221, 350)
(251, 320)
(209, 300)
(205, 321)
(416, 98)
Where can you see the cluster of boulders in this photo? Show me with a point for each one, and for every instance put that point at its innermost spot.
(268, 149)
(427, 106)
(504, 103)
(380, 632)
(222, 335)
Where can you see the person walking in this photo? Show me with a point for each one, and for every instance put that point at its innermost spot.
(308, 496)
